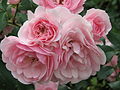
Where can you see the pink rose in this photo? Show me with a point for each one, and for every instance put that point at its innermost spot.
(46, 86)
(113, 63)
(100, 22)
(28, 64)
(75, 6)
(80, 57)
(13, 1)
(43, 26)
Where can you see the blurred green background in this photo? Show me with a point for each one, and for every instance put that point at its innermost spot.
(98, 82)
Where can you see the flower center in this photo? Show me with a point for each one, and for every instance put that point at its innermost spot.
(30, 59)
(27, 61)
(33, 59)
(41, 28)
(44, 30)
(58, 1)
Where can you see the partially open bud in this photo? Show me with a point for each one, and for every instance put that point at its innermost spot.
(13, 1)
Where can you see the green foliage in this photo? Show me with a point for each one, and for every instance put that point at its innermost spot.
(104, 72)
(3, 21)
(115, 85)
(109, 51)
(3, 14)
(21, 17)
(63, 87)
(27, 5)
(3, 4)
(81, 85)
(114, 38)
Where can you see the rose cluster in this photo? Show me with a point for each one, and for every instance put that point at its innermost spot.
(56, 43)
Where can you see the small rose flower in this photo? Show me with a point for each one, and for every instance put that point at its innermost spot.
(100, 22)
(80, 57)
(46, 86)
(13, 1)
(28, 64)
(113, 63)
(74, 6)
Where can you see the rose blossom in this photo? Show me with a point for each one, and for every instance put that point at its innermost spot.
(80, 57)
(46, 86)
(43, 26)
(74, 6)
(13, 1)
(27, 64)
(100, 22)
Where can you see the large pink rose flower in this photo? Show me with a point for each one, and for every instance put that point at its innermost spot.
(74, 6)
(80, 57)
(43, 26)
(46, 86)
(27, 64)
(100, 22)
(13, 1)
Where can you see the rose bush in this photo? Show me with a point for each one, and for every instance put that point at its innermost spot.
(51, 46)
(75, 44)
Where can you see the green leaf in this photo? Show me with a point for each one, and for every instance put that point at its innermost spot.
(109, 51)
(3, 20)
(104, 72)
(109, 55)
(96, 1)
(62, 87)
(106, 48)
(21, 18)
(94, 81)
(82, 85)
(27, 5)
(115, 85)
(4, 4)
(114, 38)
(9, 12)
